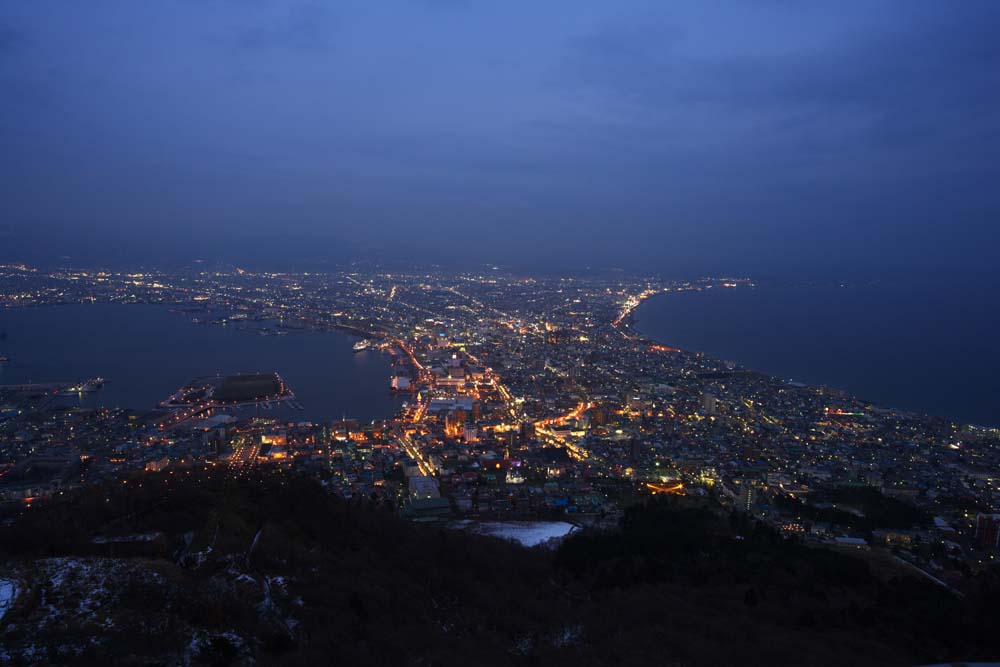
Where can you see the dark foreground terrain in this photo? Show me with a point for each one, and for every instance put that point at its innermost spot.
(203, 570)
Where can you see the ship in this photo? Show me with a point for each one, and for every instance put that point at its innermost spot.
(91, 385)
(362, 345)
(4, 359)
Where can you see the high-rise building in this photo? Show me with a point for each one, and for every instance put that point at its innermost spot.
(598, 415)
(988, 530)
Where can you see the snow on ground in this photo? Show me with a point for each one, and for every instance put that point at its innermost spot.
(8, 593)
(202, 641)
(138, 537)
(526, 533)
(81, 589)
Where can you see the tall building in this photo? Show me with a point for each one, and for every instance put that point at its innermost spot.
(709, 404)
(598, 415)
(988, 530)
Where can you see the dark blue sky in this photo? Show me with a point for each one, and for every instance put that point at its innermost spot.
(771, 137)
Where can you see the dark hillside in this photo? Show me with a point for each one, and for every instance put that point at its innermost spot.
(201, 569)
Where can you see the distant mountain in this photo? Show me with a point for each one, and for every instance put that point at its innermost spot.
(201, 569)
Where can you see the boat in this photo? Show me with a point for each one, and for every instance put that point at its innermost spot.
(91, 385)
(362, 345)
(4, 359)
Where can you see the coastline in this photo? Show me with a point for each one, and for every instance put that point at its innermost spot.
(127, 346)
(642, 321)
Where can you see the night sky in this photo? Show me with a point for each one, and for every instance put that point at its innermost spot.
(771, 137)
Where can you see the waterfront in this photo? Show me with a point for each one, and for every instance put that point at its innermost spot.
(146, 352)
(538, 406)
(927, 347)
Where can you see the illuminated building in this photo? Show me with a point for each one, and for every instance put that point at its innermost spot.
(988, 530)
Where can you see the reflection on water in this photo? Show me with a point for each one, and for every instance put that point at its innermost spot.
(146, 352)
(927, 347)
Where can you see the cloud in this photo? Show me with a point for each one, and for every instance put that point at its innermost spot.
(305, 27)
(11, 39)
(445, 4)
(910, 82)
(685, 130)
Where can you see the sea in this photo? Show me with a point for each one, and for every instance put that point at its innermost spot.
(145, 352)
(927, 346)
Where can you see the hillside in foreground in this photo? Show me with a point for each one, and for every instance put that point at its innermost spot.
(204, 570)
